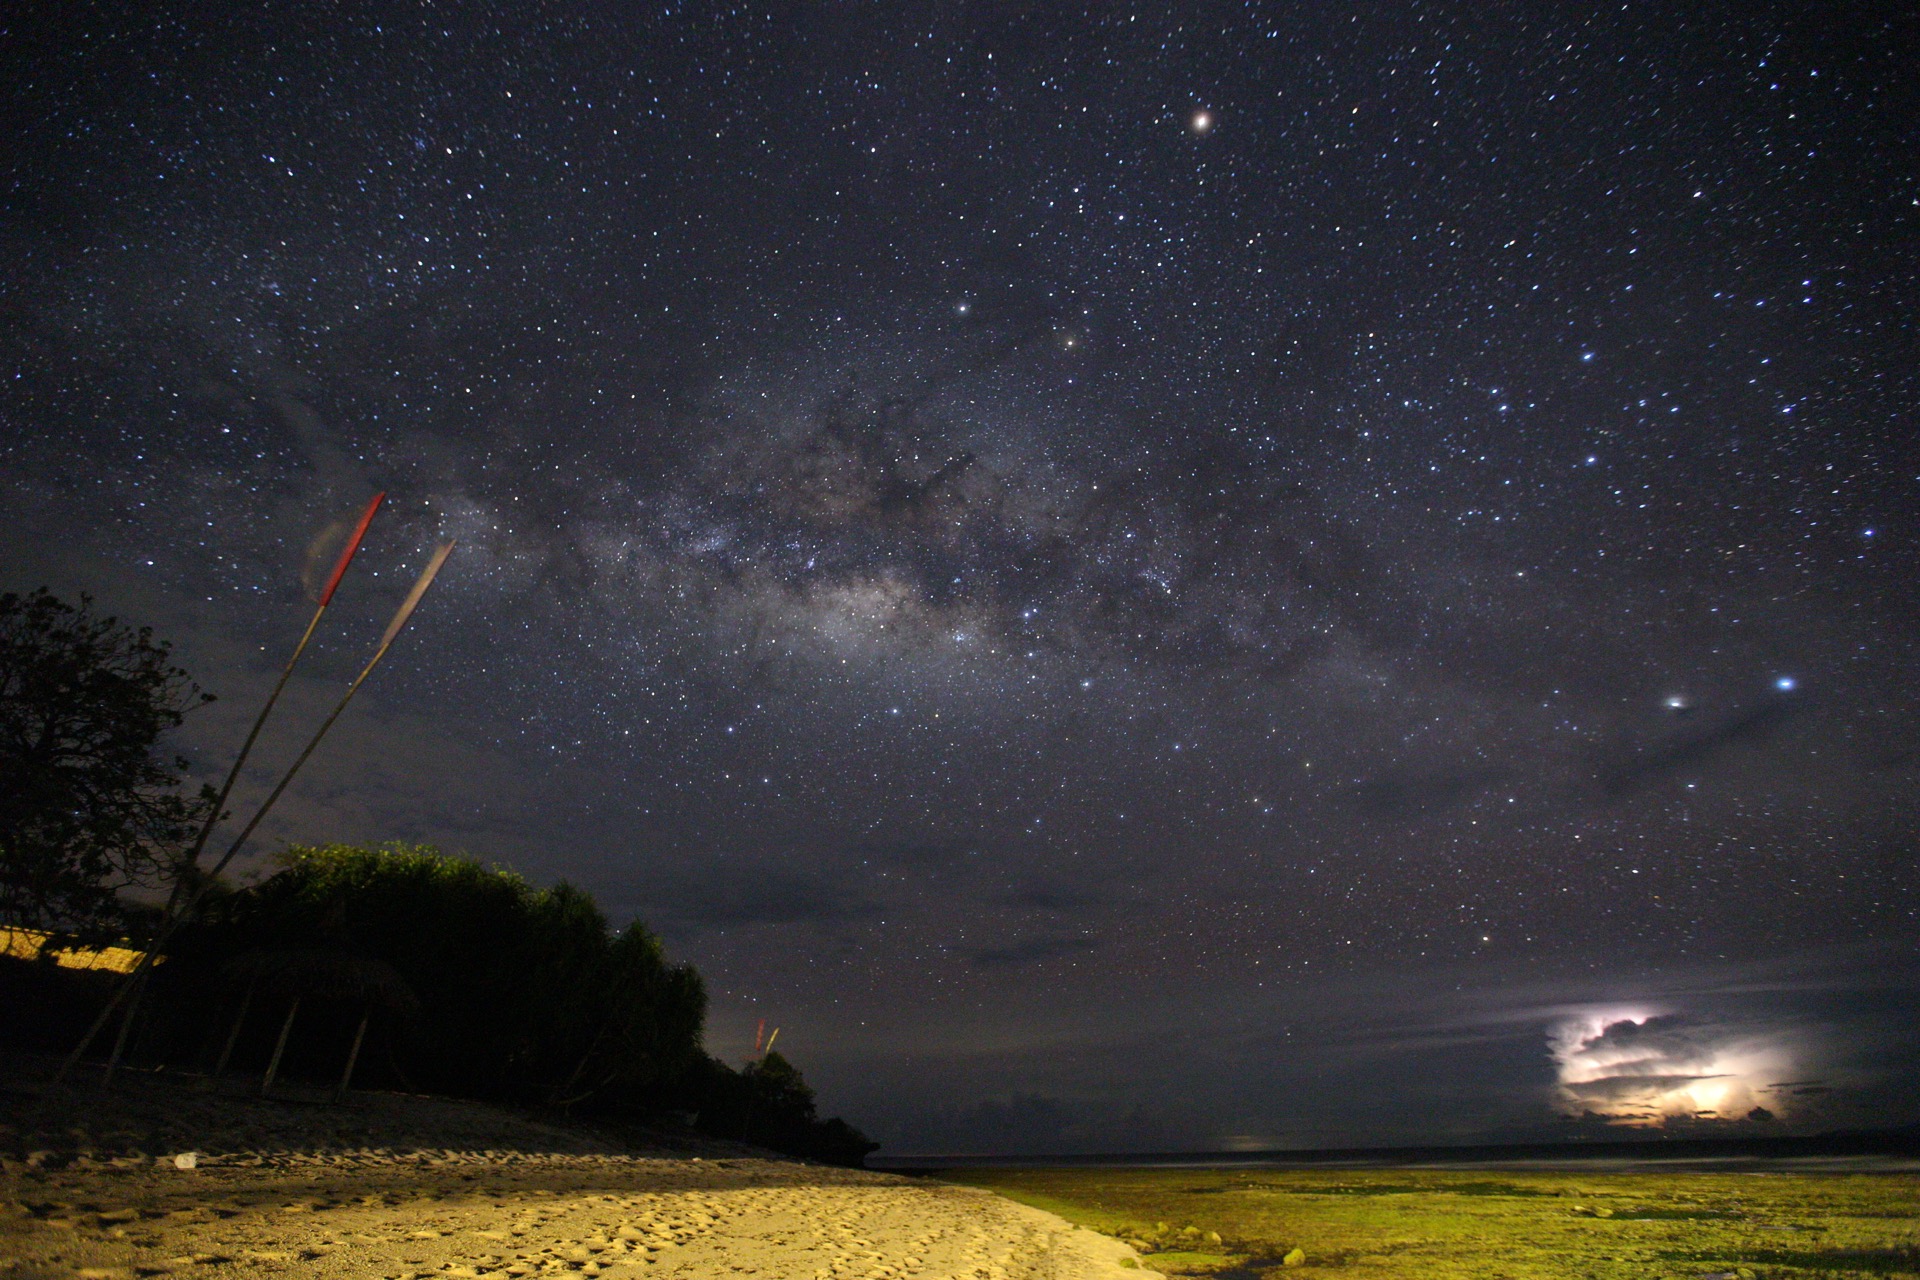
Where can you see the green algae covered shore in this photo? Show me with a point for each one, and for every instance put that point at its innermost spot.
(1479, 1224)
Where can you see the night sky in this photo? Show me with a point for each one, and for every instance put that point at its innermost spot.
(1131, 577)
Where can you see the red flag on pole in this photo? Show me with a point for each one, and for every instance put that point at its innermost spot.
(353, 545)
(186, 892)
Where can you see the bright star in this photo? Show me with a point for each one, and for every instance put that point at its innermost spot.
(1201, 122)
(1786, 684)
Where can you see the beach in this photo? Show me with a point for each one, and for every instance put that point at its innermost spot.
(166, 1178)
(483, 1213)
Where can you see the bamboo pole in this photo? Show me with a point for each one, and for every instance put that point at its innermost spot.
(347, 553)
(279, 1047)
(353, 1054)
(126, 1025)
(172, 925)
(405, 611)
(233, 1036)
(183, 877)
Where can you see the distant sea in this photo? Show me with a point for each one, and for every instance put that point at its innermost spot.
(1896, 1150)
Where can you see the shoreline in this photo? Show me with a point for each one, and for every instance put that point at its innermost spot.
(1893, 1151)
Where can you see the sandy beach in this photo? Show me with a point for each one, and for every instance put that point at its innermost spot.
(496, 1213)
(97, 1190)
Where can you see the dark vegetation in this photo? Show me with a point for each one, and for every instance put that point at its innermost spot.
(469, 982)
(524, 996)
(88, 806)
(407, 968)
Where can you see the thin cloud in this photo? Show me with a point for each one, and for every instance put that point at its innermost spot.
(1032, 951)
(721, 897)
(1695, 746)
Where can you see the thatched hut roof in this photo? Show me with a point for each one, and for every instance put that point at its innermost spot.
(333, 975)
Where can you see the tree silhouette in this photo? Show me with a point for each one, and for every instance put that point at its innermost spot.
(526, 996)
(87, 808)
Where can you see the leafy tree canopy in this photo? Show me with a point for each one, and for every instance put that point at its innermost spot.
(526, 995)
(88, 807)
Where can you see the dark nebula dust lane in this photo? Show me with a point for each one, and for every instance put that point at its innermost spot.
(1159, 578)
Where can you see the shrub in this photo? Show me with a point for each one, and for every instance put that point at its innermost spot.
(515, 995)
(526, 996)
(769, 1104)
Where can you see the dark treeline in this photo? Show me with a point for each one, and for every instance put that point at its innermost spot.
(518, 995)
(455, 979)
(398, 967)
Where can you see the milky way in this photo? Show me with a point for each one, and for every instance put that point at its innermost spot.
(1147, 573)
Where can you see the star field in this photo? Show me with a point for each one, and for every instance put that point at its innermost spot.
(1288, 528)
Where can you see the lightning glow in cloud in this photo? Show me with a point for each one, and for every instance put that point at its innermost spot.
(1636, 1067)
